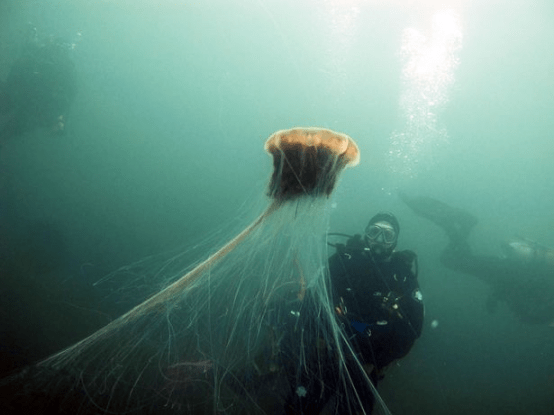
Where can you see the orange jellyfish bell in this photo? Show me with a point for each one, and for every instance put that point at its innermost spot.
(308, 161)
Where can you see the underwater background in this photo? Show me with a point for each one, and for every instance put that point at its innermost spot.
(163, 157)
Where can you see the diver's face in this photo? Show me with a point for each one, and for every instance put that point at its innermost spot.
(381, 238)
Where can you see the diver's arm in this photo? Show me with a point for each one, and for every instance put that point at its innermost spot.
(404, 307)
(410, 304)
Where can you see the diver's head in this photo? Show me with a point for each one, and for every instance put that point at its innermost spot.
(381, 234)
(518, 249)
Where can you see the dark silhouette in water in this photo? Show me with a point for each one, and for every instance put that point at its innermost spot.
(523, 279)
(39, 89)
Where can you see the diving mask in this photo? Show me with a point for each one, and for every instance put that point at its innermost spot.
(381, 232)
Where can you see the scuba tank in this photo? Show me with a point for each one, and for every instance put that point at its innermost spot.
(529, 252)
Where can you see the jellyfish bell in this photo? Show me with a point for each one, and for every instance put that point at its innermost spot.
(307, 161)
(250, 330)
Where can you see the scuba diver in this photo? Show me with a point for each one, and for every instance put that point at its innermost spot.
(39, 89)
(377, 302)
(523, 278)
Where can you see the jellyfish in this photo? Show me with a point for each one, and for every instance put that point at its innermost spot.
(250, 330)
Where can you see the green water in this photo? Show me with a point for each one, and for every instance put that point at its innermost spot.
(164, 147)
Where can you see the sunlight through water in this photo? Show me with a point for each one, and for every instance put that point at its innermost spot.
(427, 77)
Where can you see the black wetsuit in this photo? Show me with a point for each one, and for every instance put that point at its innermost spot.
(379, 305)
(526, 288)
(38, 91)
